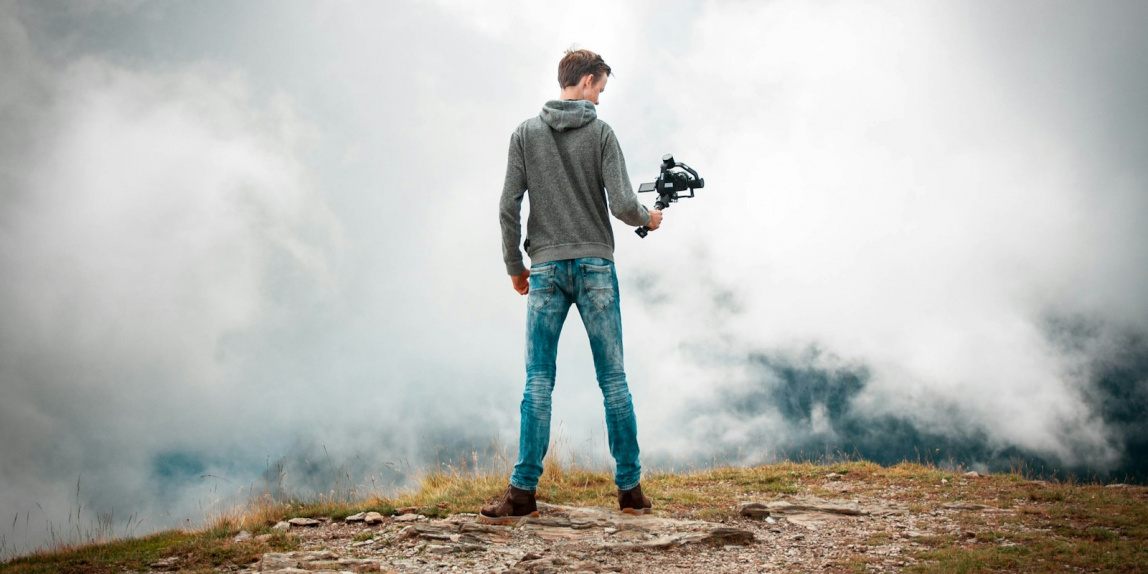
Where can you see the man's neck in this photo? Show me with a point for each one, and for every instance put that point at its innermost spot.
(572, 93)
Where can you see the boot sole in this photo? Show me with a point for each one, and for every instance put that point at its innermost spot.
(636, 511)
(505, 520)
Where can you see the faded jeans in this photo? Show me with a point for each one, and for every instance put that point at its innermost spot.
(592, 285)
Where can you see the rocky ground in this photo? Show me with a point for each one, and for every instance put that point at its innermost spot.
(793, 534)
(799, 517)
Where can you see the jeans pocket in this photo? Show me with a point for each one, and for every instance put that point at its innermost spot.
(541, 287)
(598, 281)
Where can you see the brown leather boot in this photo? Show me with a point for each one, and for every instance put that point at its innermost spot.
(515, 505)
(633, 501)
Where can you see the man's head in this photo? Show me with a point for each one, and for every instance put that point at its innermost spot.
(582, 75)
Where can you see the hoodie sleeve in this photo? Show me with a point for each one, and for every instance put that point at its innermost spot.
(510, 207)
(624, 202)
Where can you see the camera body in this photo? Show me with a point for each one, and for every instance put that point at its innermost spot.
(676, 181)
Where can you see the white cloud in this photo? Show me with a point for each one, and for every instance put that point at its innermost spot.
(147, 228)
(874, 188)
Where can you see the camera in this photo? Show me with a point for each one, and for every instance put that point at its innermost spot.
(675, 181)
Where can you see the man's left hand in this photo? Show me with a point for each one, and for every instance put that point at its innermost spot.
(521, 282)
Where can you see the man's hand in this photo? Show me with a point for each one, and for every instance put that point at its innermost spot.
(655, 219)
(522, 282)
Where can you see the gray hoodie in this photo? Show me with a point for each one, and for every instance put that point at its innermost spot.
(569, 161)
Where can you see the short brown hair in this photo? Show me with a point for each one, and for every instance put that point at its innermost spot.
(577, 63)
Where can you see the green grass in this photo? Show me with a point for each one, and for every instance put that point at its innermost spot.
(198, 551)
(1060, 527)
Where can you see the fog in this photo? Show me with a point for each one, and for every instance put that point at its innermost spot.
(252, 245)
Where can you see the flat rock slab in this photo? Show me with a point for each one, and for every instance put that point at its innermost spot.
(806, 511)
(587, 517)
(316, 562)
(596, 527)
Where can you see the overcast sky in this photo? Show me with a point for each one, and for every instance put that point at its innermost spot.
(239, 237)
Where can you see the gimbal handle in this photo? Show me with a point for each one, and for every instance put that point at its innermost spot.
(643, 230)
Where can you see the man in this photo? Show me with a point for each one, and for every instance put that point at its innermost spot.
(569, 161)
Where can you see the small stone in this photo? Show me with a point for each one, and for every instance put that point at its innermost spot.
(281, 526)
(304, 522)
(792, 507)
(833, 476)
(169, 563)
(1120, 485)
(484, 528)
(277, 561)
(970, 534)
(242, 536)
(264, 537)
(373, 518)
(965, 506)
(345, 563)
(972, 474)
(409, 518)
(944, 481)
(443, 549)
(753, 510)
(729, 536)
(360, 517)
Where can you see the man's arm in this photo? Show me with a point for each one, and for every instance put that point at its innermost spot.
(510, 208)
(624, 202)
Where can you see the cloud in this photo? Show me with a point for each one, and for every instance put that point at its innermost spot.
(881, 190)
(147, 219)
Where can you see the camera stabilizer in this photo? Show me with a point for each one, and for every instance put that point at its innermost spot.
(671, 186)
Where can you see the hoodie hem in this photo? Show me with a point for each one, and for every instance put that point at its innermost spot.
(571, 251)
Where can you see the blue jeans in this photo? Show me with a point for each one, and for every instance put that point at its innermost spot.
(592, 285)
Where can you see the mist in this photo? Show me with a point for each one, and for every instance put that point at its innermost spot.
(253, 246)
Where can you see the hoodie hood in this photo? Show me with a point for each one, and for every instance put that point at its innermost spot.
(562, 115)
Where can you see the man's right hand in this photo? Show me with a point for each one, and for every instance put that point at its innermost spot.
(655, 219)
(522, 282)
